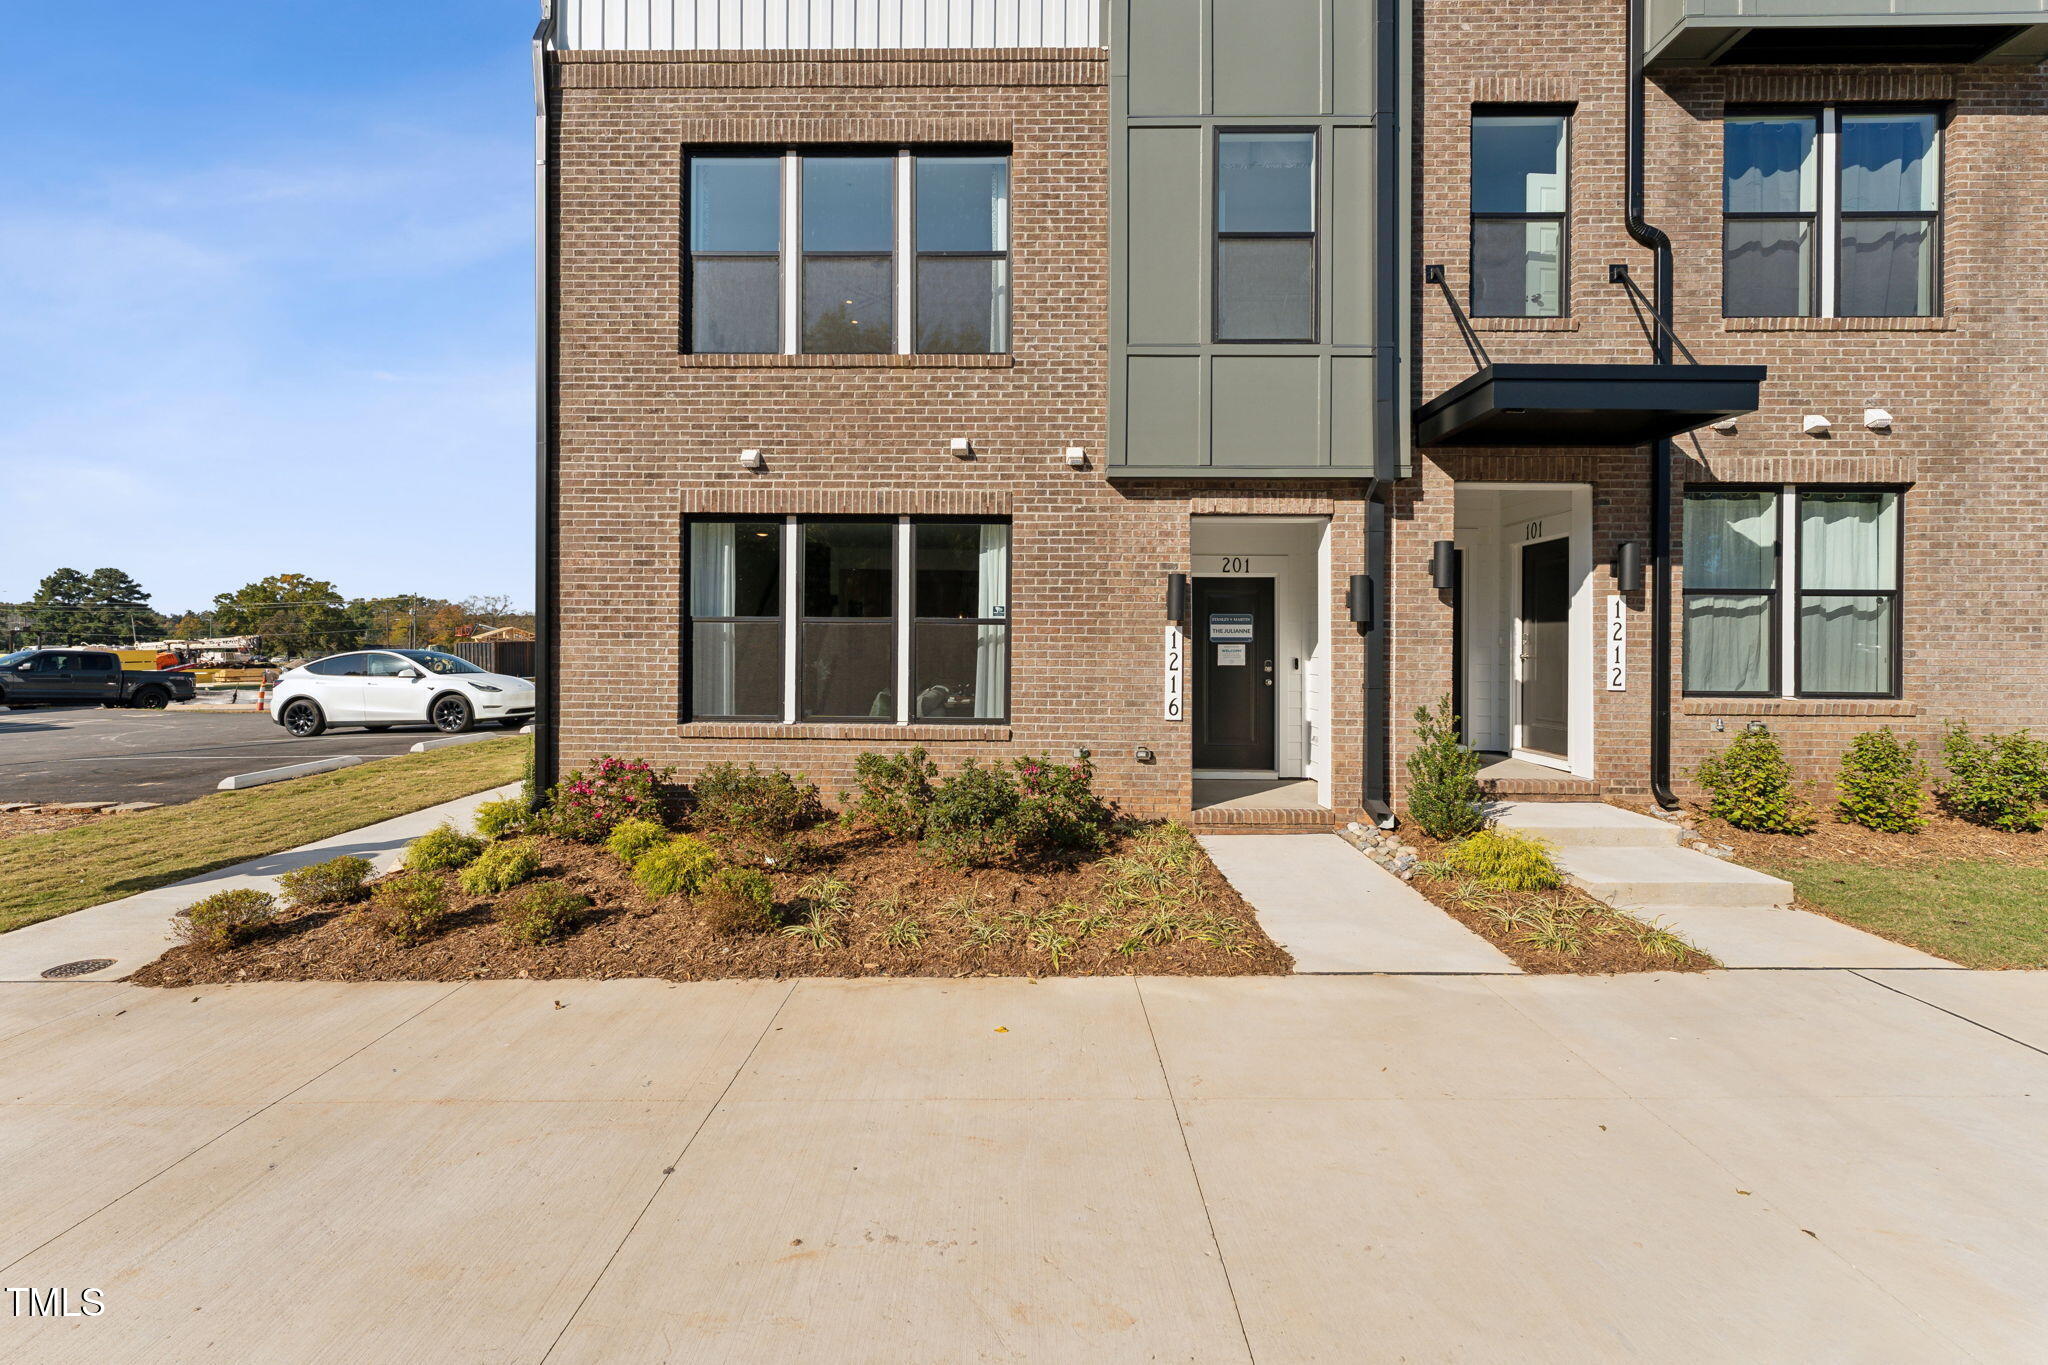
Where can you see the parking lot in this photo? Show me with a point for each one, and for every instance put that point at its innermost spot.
(90, 754)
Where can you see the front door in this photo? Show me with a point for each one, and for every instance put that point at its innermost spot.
(1233, 648)
(1543, 670)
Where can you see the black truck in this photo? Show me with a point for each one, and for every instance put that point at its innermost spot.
(84, 677)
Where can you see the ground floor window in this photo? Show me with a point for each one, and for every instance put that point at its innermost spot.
(1792, 591)
(891, 621)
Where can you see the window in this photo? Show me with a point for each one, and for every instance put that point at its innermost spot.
(1520, 203)
(337, 665)
(856, 253)
(1265, 236)
(891, 622)
(1834, 212)
(98, 663)
(1837, 618)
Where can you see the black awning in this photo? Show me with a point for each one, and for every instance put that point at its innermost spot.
(1585, 405)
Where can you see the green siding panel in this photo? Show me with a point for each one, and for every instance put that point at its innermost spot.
(1266, 410)
(1167, 275)
(1352, 64)
(1351, 381)
(1162, 410)
(1165, 56)
(1351, 226)
(1268, 57)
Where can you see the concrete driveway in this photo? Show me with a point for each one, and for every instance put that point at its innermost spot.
(1722, 1167)
(93, 754)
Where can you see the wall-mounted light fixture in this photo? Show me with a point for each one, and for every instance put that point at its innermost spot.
(1628, 566)
(963, 447)
(1077, 458)
(1358, 601)
(1815, 425)
(750, 459)
(1143, 754)
(1176, 596)
(1443, 565)
(1726, 424)
(1877, 419)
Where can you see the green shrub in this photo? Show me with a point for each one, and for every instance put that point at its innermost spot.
(972, 820)
(334, 882)
(408, 908)
(541, 912)
(226, 919)
(441, 847)
(1444, 795)
(1999, 780)
(748, 801)
(1882, 783)
(499, 868)
(1505, 861)
(1057, 808)
(893, 792)
(631, 838)
(1751, 786)
(587, 804)
(1034, 810)
(737, 900)
(677, 867)
(501, 819)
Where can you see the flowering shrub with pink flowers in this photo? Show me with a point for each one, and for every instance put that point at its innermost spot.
(587, 803)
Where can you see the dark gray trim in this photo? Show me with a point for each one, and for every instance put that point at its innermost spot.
(1585, 405)
(546, 744)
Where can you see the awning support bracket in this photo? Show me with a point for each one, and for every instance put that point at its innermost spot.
(1434, 274)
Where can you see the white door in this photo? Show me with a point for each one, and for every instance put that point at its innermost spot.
(389, 698)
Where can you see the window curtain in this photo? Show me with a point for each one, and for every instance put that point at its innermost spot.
(1848, 567)
(1731, 541)
(991, 643)
(711, 594)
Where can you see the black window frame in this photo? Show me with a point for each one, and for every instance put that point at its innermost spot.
(790, 254)
(691, 621)
(687, 317)
(1009, 636)
(1775, 683)
(1474, 217)
(1313, 236)
(1896, 594)
(1932, 217)
(1815, 114)
(918, 255)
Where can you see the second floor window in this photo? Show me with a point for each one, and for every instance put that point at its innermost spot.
(1266, 236)
(1832, 212)
(1520, 206)
(892, 251)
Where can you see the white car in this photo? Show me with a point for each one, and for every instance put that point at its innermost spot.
(380, 688)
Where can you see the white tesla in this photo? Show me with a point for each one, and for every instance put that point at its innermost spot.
(380, 688)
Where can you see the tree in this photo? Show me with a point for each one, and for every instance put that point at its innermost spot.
(106, 606)
(442, 626)
(294, 614)
(189, 627)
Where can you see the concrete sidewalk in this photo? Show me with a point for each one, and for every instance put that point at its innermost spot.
(1720, 1167)
(135, 930)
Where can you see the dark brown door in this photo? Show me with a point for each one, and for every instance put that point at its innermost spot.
(1233, 647)
(1546, 647)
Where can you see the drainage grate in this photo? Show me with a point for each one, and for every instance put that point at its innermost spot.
(83, 967)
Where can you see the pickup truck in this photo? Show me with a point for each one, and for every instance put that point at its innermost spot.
(81, 677)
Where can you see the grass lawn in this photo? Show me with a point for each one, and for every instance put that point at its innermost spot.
(45, 875)
(1979, 912)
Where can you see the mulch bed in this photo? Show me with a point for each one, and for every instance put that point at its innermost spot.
(630, 933)
(1945, 839)
(1605, 936)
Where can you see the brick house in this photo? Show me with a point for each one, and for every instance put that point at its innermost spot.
(1206, 386)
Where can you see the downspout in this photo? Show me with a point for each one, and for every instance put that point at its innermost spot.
(1389, 411)
(545, 767)
(1647, 234)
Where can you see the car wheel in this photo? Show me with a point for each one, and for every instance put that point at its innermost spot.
(150, 699)
(302, 719)
(451, 715)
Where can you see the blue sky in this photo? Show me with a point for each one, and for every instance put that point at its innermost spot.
(266, 295)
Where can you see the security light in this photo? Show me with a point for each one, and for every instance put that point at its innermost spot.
(963, 447)
(750, 459)
(1877, 419)
(1077, 458)
(1815, 425)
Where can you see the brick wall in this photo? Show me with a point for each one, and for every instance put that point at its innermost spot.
(647, 435)
(1965, 390)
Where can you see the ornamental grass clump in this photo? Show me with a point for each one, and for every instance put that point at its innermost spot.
(1444, 795)
(541, 912)
(1504, 861)
(631, 838)
(1750, 784)
(499, 868)
(676, 868)
(1883, 783)
(737, 900)
(226, 919)
(441, 847)
(588, 804)
(1999, 780)
(334, 882)
(408, 908)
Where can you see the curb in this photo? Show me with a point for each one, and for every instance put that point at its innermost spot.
(453, 740)
(257, 779)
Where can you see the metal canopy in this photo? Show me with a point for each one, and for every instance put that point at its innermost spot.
(1585, 405)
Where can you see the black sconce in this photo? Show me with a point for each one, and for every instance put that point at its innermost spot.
(1359, 599)
(1443, 565)
(1176, 596)
(1628, 566)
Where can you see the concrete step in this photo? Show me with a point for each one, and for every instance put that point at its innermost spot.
(1583, 824)
(1669, 879)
